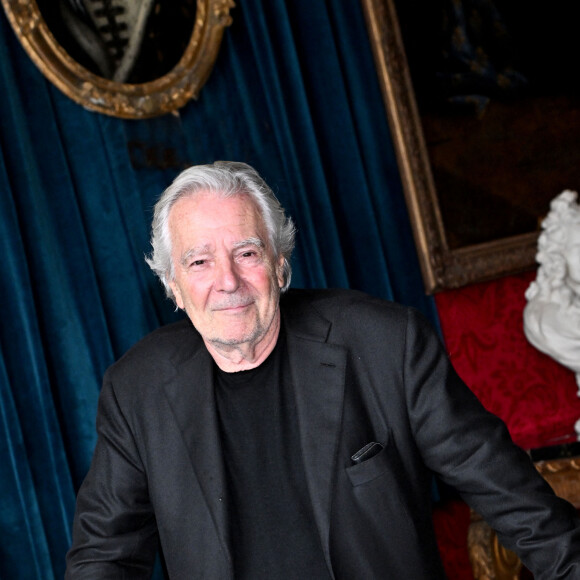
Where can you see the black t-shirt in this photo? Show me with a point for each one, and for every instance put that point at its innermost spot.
(273, 532)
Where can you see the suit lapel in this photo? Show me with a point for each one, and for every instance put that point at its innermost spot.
(191, 396)
(318, 375)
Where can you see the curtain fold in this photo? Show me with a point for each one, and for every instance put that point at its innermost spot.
(294, 93)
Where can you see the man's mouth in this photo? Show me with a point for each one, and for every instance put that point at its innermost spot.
(231, 307)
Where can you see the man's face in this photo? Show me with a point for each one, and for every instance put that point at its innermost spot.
(225, 275)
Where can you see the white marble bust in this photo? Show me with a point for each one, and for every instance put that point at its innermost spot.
(552, 314)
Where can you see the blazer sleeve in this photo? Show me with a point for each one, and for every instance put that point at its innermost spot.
(471, 450)
(114, 529)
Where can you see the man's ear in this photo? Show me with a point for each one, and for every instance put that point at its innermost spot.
(177, 294)
(280, 271)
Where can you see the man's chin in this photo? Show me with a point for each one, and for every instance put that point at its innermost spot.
(233, 340)
(221, 341)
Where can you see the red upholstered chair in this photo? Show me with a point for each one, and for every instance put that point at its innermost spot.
(532, 393)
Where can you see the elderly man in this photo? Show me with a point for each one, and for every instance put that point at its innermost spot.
(293, 434)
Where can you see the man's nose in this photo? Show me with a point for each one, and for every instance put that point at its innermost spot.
(227, 278)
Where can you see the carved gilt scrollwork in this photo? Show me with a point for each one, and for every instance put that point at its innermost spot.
(162, 95)
(489, 559)
(563, 475)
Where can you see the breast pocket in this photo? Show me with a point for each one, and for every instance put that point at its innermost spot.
(372, 468)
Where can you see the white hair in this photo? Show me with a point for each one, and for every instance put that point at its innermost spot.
(226, 179)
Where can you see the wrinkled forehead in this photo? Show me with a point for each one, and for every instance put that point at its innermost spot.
(202, 209)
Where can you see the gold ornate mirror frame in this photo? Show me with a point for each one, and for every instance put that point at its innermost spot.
(130, 101)
(441, 266)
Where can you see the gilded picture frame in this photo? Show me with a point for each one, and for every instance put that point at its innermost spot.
(442, 264)
(162, 95)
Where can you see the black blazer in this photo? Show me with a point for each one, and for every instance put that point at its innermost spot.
(364, 370)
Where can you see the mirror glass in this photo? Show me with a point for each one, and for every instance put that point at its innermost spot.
(126, 41)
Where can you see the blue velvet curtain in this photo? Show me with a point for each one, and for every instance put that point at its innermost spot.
(294, 93)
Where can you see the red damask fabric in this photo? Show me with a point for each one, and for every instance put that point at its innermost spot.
(482, 327)
(451, 521)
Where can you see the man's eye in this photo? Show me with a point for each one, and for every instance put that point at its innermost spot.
(197, 263)
(249, 255)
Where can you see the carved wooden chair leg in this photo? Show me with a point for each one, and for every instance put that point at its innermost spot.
(489, 559)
